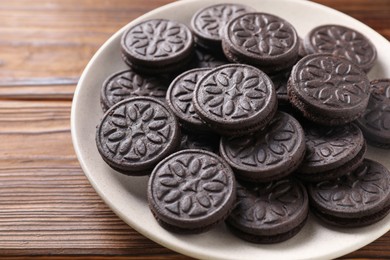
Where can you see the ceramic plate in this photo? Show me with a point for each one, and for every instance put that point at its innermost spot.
(127, 195)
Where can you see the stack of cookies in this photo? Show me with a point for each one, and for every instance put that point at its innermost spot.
(237, 119)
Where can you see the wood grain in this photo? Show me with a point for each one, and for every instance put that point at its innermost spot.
(48, 209)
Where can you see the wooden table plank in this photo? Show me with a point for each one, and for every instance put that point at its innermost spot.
(47, 207)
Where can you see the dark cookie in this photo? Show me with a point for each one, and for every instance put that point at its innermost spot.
(208, 142)
(157, 46)
(191, 191)
(328, 90)
(269, 154)
(179, 98)
(375, 122)
(235, 99)
(208, 23)
(358, 199)
(135, 134)
(208, 59)
(270, 212)
(126, 84)
(342, 41)
(331, 151)
(262, 40)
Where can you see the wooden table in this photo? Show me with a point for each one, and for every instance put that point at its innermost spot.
(47, 206)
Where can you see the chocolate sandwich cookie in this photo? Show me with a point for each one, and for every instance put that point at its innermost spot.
(203, 141)
(208, 23)
(235, 99)
(136, 133)
(328, 90)
(262, 40)
(127, 84)
(269, 154)
(208, 59)
(157, 46)
(179, 99)
(341, 41)
(191, 191)
(357, 199)
(375, 122)
(331, 151)
(269, 212)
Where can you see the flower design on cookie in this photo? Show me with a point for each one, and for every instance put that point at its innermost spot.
(262, 34)
(367, 185)
(191, 184)
(157, 39)
(332, 81)
(136, 130)
(126, 84)
(267, 204)
(233, 92)
(342, 41)
(210, 21)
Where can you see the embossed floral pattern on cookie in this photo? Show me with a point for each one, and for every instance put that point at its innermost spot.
(157, 39)
(262, 34)
(191, 186)
(136, 133)
(268, 205)
(366, 187)
(210, 21)
(126, 84)
(342, 41)
(329, 147)
(234, 92)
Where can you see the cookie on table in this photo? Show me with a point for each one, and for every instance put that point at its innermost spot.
(358, 199)
(375, 122)
(268, 154)
(342, 41)
(269, 212)
(328, 90)
(136, 133)
(191, 191)
(126, 84)
(331, 151)
(235, 99)
(207, 24)
(179, 99)
(157, 46)
(263, 40)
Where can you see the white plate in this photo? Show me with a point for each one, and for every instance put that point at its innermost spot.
(127, 195)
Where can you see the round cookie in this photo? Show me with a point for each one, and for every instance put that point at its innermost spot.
(269, 212)
(263, 40)
(191, 191)
(235, 99)
(375, 122)
(341, 41)
(208, 23)
(157, 46)
(126, 84)
(331, 151)
(328, 90)
(136, 133)
(269, 154)
(358, 199)
(179, 99)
